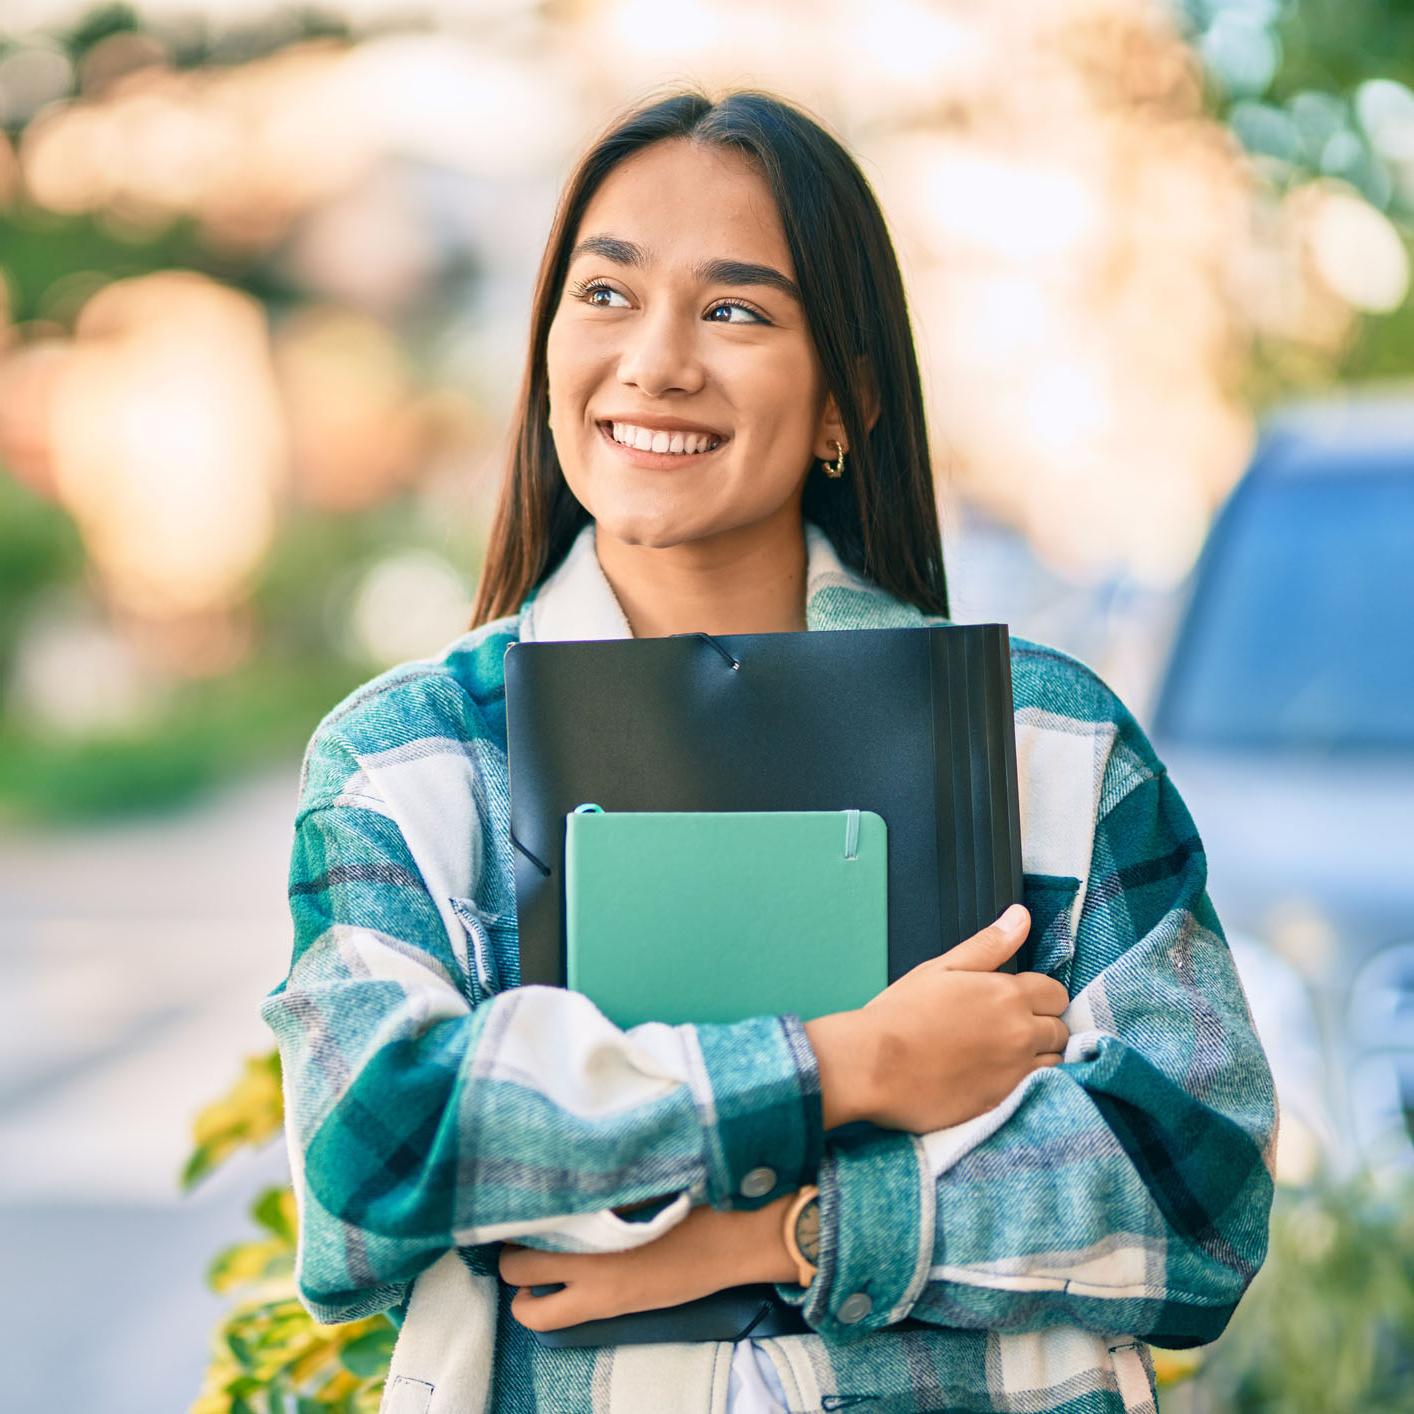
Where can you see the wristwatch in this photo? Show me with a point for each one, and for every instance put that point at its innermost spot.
(802, 1233)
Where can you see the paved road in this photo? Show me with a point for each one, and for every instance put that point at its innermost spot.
(134, 959)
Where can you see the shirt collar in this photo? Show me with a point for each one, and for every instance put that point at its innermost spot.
(576, 601)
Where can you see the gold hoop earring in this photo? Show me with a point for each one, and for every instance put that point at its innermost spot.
(838, 468)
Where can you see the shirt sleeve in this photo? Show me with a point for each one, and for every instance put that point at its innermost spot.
(422, 1114)
(1127, 1189)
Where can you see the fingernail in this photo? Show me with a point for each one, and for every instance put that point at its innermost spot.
(1012, 919)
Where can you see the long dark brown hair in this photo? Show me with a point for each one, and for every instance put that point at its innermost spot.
(881, 515)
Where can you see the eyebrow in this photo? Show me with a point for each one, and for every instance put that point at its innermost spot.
(707, 272)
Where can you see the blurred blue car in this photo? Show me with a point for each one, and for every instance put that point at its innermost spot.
(1285, 714)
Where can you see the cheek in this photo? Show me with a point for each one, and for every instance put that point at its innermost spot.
(778, 426)
(568, 360)
(556, 349)
(778, 398)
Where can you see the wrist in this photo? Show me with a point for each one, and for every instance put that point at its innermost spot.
(842, 1044)
(752, 1243)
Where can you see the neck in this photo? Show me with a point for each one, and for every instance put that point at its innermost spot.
(748, 580)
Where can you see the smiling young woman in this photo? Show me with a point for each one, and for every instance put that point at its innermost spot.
(721, 429)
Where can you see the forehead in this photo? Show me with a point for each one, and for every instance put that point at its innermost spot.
(681, 200)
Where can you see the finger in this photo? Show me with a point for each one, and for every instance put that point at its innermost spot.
(545, 1313)
(1052, 1034)
(1046, 996)
(1047, 1058)
(524, 1266)
(987, 950)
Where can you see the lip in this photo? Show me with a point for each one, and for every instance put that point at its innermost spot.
(662, 424)
(660, 461)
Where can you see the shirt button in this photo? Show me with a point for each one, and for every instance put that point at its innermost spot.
(855, 1308)
(758, 1183)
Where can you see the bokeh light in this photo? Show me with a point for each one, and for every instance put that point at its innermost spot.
(167, 441)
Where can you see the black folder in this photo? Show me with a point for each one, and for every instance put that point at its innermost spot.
(913, 723)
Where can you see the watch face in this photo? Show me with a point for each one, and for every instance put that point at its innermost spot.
(807, 1231)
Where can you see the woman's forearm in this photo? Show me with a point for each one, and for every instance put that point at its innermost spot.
(843, 1046)
(709, 1250)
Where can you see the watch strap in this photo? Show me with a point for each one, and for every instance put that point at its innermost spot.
(804, 1268)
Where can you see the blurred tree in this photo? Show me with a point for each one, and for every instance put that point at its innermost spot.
(1321, 88)
(39, 547)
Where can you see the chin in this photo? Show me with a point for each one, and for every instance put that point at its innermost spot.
(652, 528)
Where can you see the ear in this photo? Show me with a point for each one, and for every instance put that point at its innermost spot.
(832, 425)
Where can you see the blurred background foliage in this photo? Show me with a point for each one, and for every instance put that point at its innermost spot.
(268, 1355)
(1328, 1324)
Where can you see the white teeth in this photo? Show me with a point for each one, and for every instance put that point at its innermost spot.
(648, 440)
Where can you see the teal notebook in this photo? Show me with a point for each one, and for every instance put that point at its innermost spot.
(719, 915)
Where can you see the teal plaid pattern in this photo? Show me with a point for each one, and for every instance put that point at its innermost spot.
(433, 1103)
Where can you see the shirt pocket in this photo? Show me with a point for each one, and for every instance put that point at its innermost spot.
(1050, 946)
(486, 937)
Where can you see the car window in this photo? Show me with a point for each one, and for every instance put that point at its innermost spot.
(1300, 634)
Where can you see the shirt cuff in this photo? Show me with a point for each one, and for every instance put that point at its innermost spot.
(877, 1209)
(758, 1089)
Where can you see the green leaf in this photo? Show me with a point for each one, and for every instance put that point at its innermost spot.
(197, 1167)
(272, 1211)
(245, 1262)
(369, 1354)
(240, 1348)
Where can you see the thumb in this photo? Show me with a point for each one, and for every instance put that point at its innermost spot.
(987, 950)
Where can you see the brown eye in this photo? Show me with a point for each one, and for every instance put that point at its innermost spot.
(586, 290)
(756, 316)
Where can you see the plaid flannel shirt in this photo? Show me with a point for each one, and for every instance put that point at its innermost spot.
(432, 1103)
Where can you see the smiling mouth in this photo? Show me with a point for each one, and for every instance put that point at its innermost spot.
(658, 459)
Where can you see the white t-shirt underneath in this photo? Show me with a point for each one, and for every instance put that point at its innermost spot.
(754, 1387)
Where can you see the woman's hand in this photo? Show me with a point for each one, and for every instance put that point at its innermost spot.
(948, 1040)
(706, 1252)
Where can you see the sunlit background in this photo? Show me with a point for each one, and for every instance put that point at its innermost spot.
(265, 279)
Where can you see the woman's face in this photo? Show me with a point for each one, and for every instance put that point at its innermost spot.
(648, 333)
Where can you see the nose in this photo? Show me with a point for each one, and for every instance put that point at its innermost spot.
(660, 354)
